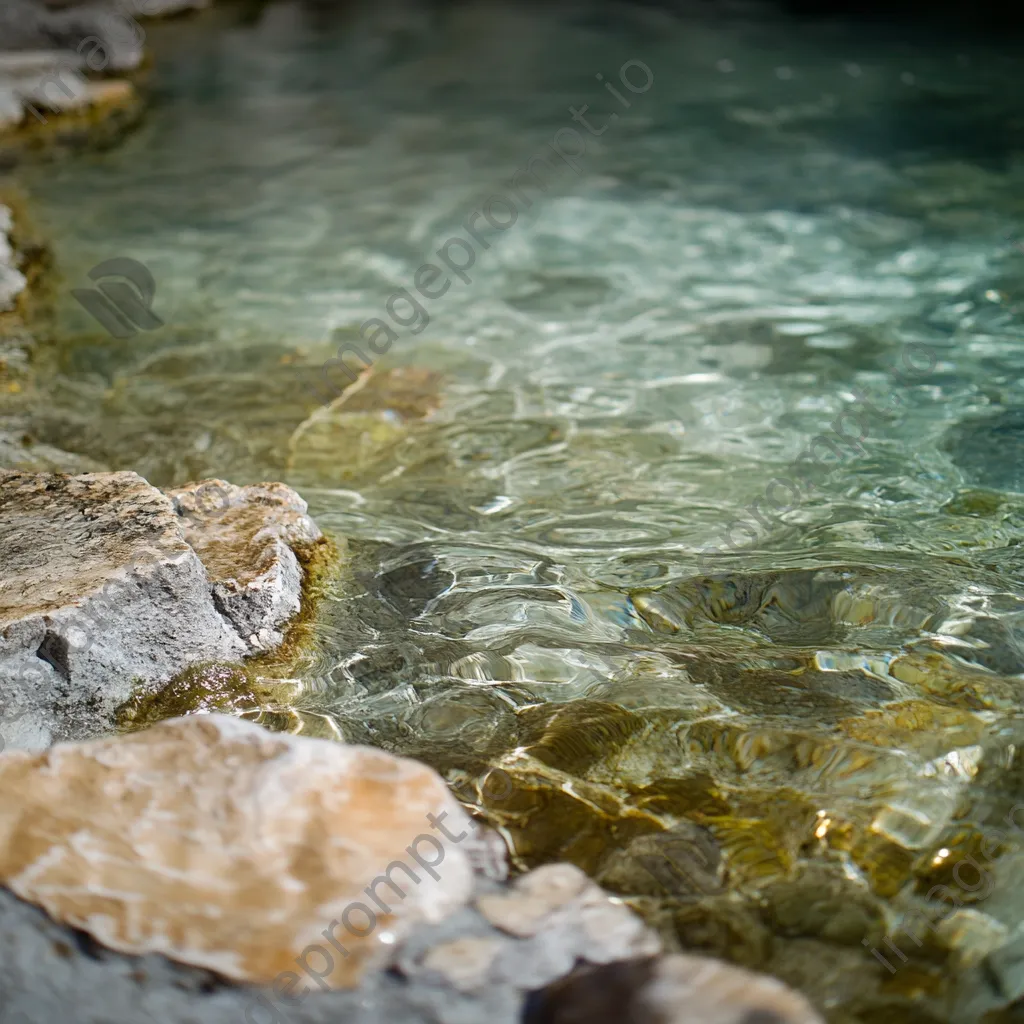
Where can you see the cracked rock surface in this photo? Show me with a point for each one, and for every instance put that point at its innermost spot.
(198, 871)
(106, 589)
(246, 537)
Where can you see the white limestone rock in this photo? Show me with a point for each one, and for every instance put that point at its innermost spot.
(216, 843)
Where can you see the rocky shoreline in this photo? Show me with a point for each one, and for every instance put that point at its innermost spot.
(204, 869)
(113, 587)
(207, 870)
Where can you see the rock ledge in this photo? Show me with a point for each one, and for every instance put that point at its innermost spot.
(111, 585)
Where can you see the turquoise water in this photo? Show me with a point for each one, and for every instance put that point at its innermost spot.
(791, 223)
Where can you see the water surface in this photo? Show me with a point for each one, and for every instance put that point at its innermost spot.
(811, 725)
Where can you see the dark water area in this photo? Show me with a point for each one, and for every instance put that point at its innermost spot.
(693, 505)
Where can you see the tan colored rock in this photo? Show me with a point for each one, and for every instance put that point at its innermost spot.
(247, 538)
(534, 898)
(538, 901)
(361, 426)
(218, 844)
(466, 963)
(696, 988)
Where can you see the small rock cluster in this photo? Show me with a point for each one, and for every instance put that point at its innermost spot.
(207, 870)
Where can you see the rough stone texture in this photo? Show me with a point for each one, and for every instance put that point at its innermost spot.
(12, 281)
(236, 849)
(219, 844)
(247, 538)
(102, 592)
(676, 989)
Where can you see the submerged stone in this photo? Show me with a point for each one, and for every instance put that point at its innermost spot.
(673, 990)
(806, 607)
(989, 450)
(362, 425)
(789, 817)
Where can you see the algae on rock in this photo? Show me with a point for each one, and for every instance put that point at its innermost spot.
(107, 590)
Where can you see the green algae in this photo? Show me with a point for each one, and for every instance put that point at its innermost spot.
(266, 682)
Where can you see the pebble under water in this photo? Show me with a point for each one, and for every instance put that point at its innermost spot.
(693, 506)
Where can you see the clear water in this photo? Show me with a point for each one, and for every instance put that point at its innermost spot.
(789, 216)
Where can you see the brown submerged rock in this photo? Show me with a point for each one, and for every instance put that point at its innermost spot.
(362, 426)
(673, 990)
(801, 796)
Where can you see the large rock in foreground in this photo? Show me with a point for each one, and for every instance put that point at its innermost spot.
(110, 585)
(219, 844)
(207, 871)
